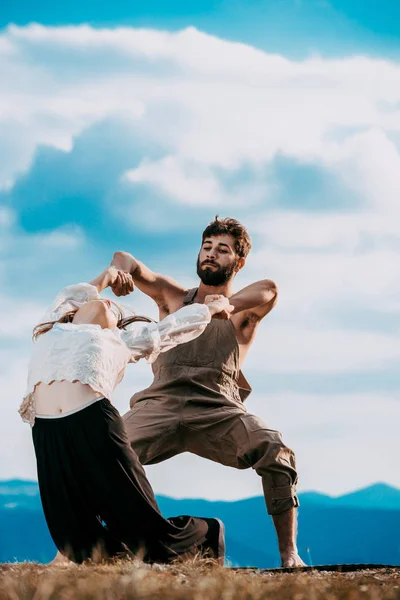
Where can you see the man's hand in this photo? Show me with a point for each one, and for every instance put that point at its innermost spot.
(219, 306)
(121, 282)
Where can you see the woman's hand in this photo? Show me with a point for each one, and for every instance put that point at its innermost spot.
(219, 306)
(120, 282)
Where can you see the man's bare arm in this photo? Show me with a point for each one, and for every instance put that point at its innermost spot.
(159, 287)
(251, 304)
(259, 298)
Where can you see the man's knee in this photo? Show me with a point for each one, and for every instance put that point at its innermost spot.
(270, 455)
(264, 448)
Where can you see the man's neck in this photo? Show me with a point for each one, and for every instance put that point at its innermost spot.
(206, 290)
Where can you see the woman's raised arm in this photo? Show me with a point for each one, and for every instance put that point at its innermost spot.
(78, 294)
(147, 340)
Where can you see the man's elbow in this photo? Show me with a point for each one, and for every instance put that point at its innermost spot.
(123, 261)
(120, 254)
(270, 290)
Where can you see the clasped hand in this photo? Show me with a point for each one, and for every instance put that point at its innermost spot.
(219, 306)
(120, 282)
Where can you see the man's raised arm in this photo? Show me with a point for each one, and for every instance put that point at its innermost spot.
(259, 298)
(159, 287)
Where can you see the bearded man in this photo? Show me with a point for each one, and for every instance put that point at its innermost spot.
(195, 403)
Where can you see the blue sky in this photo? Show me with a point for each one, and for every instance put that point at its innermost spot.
(127, 126)
(293, 27)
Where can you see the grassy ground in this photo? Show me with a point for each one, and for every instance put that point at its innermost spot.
(197, 580)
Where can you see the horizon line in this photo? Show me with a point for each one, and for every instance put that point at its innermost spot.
(300, 493)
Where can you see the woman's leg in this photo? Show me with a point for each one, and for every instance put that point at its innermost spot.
(70, 513)
(126, 501)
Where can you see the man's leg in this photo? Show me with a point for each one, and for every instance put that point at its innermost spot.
(286, 530)
(235, 438)
(152, 427)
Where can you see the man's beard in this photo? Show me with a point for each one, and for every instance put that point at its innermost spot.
(215, 276)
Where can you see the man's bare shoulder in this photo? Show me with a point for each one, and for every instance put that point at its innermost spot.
(172, 301)
(168, 287)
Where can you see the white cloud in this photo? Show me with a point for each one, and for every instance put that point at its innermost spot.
(369, 162)
(327, 263)
(236, 105)
(7, 218)
(63, 238)
(16, 440)
(207, 109)
(341, 231)
(194, 185)
(18, 317)
(334, 281)
(297, 349)
(6, 47)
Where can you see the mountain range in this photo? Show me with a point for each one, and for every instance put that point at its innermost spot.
(360, 527)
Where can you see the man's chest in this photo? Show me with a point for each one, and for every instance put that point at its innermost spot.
(244, 324)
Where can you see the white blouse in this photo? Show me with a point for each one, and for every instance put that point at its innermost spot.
(96, 356)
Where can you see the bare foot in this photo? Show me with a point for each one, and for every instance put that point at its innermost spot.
(60, 561)
(292, 560)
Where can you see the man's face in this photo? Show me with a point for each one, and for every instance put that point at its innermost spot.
(217, 261)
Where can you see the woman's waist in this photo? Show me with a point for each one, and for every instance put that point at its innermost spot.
(61, 397)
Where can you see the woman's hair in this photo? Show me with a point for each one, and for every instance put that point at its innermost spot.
(45, 327)
(122, 321)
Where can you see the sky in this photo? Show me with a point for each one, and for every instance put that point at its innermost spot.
(128, 126)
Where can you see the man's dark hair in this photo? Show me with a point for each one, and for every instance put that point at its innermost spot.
(231, 227)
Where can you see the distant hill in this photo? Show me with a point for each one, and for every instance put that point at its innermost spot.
(379, 495)
(363, 526)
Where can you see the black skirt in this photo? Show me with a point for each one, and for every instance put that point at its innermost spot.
(95, 494)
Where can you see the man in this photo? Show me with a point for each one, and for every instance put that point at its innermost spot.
(195, 403)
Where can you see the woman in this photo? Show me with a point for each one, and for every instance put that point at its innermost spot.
(96, 498)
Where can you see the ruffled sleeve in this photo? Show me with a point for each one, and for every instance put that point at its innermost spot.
(147, 340)
(73, 296)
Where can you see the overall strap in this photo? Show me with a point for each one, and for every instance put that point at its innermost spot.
(188, 299)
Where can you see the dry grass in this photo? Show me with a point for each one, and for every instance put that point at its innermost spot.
(196, 580)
